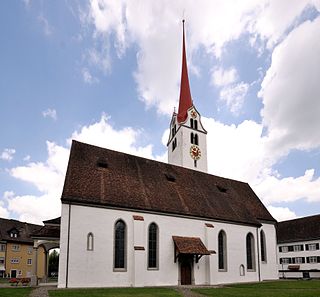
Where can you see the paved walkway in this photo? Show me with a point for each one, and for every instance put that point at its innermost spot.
(186, 292)
(41, 291)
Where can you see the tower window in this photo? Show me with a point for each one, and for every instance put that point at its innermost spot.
(194, 124)
(195, 163)
(174, 144)
(174, 130)
(194, 139)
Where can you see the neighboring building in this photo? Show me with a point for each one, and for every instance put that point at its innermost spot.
(298, 247)
(16, 249)
(130, 221)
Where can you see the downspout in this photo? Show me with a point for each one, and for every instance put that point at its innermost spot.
(258, 250)
(68, 246)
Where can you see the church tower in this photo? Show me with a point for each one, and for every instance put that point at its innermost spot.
(187, 145)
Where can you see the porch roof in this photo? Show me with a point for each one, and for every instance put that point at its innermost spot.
(189, 246)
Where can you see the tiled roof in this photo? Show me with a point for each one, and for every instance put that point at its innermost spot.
(190, 245)
(101, 177)
(24, 229)
(47, 231)
(303, 229)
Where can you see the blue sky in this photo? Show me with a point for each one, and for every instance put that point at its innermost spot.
(107, 73)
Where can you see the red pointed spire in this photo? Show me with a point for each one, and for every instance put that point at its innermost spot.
(185, 101)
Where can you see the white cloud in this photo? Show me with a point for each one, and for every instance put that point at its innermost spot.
(289, 189)
(222, 77)
(51, 113)
(281, 213)
(87, 77)
(48, 176)
(234, 96)
(27, 158)
(47, 28)
(4, 213)
(7, 154)
(290, 91)
(210, 25)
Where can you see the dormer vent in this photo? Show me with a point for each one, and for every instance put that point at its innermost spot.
(222, 189)
(102, 163)
(170, 177)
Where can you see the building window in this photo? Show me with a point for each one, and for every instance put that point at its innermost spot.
(194, 124)
(174, 144)
(90, 242)
(2, 247)
(263, 246)
(242, 271)
(153, 246)
(14, 261)
(194, 139)
(312, 246)
(1, 260)
(285, 260)
(120, 245)
(222, 251)
(29, 250)
(29, 261)
(250, 252)
(298, 247)
(283, 249)
(312, 260)
(16, 247)
(298, 260)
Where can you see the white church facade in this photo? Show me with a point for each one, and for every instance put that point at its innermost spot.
(130, 221)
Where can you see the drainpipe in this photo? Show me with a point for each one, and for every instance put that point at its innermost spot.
(258, 249)
(68, 246)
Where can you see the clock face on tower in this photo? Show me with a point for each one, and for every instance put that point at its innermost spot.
(195, 152)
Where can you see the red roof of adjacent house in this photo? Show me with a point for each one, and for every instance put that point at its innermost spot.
(185, 100)
(106, 178)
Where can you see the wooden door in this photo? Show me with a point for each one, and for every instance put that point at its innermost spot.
(185, 273)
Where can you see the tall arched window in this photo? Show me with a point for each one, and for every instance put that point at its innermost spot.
(153, 246)
(90, 241)
(263, 246)
(120, 245)
(250, 252)
(194, 138)
(222, 250)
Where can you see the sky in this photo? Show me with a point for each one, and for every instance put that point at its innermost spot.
(108, 72)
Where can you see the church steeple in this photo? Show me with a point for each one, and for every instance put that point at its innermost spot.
(185, 100)
(187, 145)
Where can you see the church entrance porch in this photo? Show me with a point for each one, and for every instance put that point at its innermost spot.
(188, 250)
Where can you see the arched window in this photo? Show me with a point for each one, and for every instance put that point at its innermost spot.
(191, 123)
(120, 245)
(241, 268)
(263, 246)
(153, 246)
(90, 241)
(194, 139)
(250, 252)
(222, 251)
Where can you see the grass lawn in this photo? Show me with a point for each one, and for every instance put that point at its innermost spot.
(115, 292)
(266, 289)
(15, 292)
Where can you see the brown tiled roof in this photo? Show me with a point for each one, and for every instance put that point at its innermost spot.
(55, 221)
(190, 245)
(47, 231)
(24, 230)
(101, 177)
(307, 228)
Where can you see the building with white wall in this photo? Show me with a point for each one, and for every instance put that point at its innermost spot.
(130, 221)
(298, 248)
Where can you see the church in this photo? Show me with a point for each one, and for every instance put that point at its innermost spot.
(128, 221)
